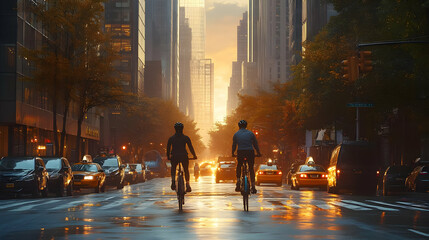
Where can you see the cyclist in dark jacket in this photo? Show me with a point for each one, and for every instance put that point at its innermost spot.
(177, 147)
(245, 140)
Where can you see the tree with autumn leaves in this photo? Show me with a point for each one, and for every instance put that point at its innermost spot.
(316, 96)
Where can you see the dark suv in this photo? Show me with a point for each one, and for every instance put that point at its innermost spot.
(114, 170)
(60, 175)
(225, 171)
(353, 166)
(23, 175)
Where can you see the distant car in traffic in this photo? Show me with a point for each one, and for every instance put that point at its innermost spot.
(418, 180)
(309, 175)
(394, 179)
(130, 174)
(23, 175)
(114, 170)
(353, 167)
(206, 169)
(225, 171)
(60, 175)
(89, 175)
(139, 168)
(269, 173)
(155, 164)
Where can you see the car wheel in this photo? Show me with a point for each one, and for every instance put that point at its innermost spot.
(70, 189)
(103, 187)
(295, 186)
(60, 192)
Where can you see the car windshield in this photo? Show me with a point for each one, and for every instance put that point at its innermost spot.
(358, 155)
(53, 163)
(312, 168)
(402, 170)
(266, 167)
(136, 166)
(107, 162)
(16, 164)
(85, 167)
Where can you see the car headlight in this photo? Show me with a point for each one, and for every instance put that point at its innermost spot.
(88, 177)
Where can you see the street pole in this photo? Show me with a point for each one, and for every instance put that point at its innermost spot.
(357, 123)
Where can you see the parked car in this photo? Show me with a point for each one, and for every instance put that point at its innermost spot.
(309, 175)
(269, 173)
(353, 166)
(139, 169)
(89, 175)
(419, 179)
(225, 171)
(114, 170)
(60, 175)
(156, 164)
(23, 175)
(130, 174)
(394, 179)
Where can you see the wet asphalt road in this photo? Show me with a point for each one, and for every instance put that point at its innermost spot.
(213, 211)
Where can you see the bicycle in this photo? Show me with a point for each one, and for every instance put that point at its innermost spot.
(245, 185)
(180, 190)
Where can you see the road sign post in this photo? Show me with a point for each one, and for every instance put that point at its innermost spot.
(358, 105)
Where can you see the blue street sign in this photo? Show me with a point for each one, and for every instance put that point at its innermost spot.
(360, 105)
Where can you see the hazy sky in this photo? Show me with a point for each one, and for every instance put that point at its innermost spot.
(223, 17)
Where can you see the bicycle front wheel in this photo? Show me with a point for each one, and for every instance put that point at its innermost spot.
(181, 192)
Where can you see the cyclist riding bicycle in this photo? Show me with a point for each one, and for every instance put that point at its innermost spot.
(177, 147)
(246, 141)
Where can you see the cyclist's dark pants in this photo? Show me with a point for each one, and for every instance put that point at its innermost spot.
(185, 163)
(250, 156)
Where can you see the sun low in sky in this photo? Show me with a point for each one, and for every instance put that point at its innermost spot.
(223, 17)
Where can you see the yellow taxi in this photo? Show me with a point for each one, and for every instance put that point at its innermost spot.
(88, 175)
(269, 174)
(309, 175)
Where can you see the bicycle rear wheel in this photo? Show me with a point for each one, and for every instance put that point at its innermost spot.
(245, 194)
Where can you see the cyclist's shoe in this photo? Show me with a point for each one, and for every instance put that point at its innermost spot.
(188, 188)
(237, 186)
(253, 191)
(173, 186)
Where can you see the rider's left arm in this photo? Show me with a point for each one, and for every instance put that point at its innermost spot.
(191, 148)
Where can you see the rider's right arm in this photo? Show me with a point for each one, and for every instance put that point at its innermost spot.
(234, 144)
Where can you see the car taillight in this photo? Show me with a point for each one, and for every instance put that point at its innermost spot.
(324, 175)
(279, 173)
(261, 173)
(423, 173)
(303, 175)
(378, 173)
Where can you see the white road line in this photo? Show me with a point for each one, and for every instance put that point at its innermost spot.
(24, 208)
(400, 206)
(418, 232)
(114, 204)
(349, 206)
(323, 206)
(413, 205)
(370, 206)
(17, 204)
(68, 205)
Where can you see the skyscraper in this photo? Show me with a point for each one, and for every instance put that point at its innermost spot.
(161, 43)
(185, 56)
(201, 69)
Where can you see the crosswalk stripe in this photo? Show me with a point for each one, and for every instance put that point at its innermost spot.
(413, 205)
(349, 206)
(418, 232)
(18, 204)
(370, 206)
(24, 208)
(114, 204)
(400, 206)
(68, 205)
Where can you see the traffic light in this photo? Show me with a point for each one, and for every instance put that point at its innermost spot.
(365, 63)
(124, 147)
(350, 68)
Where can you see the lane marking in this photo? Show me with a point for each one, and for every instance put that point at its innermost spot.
(400, 206)
(349, 206)
(24, 208)
(418, 232)
(114, 204)
(68, 205)
(18, 204)
(413, 205)
(370, 206)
